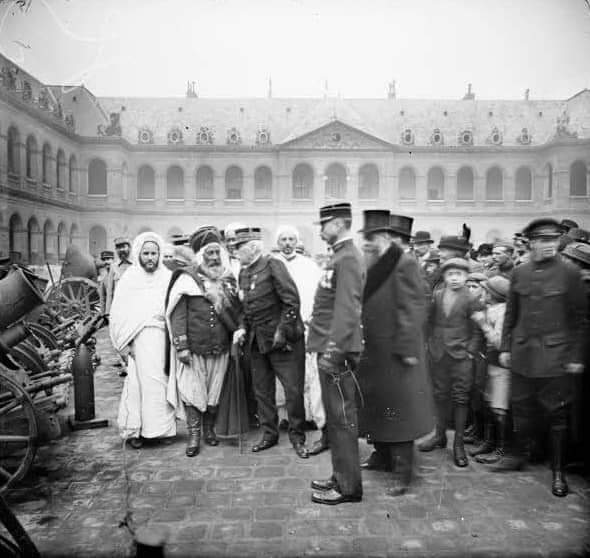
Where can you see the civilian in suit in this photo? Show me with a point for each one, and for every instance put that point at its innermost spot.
(453, 340)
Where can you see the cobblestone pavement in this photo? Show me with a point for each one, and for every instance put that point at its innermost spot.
(223, 503)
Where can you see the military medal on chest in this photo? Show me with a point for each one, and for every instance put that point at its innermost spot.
(253, 282)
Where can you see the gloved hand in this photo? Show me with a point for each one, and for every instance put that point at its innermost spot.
(239, 336)
(184, 356)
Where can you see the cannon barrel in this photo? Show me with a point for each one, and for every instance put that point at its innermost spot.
(18, 296)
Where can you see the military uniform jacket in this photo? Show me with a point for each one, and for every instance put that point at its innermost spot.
(545, 325)
(270, 302)
(398, 399)
(336, 316)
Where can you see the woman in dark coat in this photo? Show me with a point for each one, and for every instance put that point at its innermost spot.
(397, 396)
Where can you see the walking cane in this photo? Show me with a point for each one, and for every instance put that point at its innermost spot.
(236, 355)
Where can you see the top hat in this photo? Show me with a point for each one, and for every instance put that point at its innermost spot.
(401, 225)
(121, 240)
(203, 236)
(179, 239)
(454, 243)
(578, 251)
(544, 227)
(106, 254)
(334, 210)
(455, 263)
(422, 237)
(375, 220)
(246, 234)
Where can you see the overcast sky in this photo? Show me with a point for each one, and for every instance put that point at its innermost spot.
(432, 48)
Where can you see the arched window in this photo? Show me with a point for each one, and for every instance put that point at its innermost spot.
(13, 147)
(72, 176)
(465, 184)
(97, 178)
(74, 234)
(175, 183)
(146, 183)
(369, 182)
(15, 236)
(548, 181)
(49, 242)
(234, 180)
(60, 169)
(336, 182)
(62, 241)
(97, 240)
(578, 179)
(205, 187)
(494, 184)
(45, 164)
(407, 184)
(31, 156)
(34, 247)
(302, 185)
(523, 184)
(436, 184)
(262, 183)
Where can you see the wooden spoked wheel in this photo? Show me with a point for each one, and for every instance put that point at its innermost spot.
(18, 432)
(75, 297)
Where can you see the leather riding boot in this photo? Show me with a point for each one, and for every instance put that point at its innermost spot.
(439, 438)
(501, 435)
(513, 459)
(559, 485)
(193, 424)
(208, 424)
(459, 455)
(487, 444)
(402, 464)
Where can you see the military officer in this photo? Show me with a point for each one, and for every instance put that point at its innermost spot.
(335, 334)
(273, 329)
(543, 340)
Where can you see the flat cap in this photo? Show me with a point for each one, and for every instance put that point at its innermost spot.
(455, 263)
(498, 286)
(477, 276)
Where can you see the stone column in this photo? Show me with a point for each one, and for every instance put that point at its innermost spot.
(3, 159)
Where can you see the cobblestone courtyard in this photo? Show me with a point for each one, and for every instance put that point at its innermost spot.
(223, 503)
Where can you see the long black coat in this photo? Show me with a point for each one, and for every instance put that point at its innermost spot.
(397, 397)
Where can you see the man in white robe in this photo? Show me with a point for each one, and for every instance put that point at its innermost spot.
(138, 332)
(306, 275)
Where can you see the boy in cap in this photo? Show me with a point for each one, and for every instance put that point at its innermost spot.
(544, 334)
(497, 391)
(453, 340)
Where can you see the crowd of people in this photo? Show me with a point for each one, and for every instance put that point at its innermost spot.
(392, 342)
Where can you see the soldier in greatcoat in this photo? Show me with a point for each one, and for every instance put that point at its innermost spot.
(335, 335)
(543, 341)
(393, 374)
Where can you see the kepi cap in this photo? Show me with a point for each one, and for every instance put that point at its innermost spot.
(107, 254)
(246, 234)
(121, 240)
(333, 211)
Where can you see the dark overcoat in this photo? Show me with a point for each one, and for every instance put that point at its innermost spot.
(397, 397)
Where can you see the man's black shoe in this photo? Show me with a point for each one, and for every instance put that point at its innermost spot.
(459, 455)
(301, 450)
(375, 462)
(559, 485)
(324, 485)
(264, 445)
(333, 497)
(319, 446)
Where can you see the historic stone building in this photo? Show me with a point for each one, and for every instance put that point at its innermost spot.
(76, 168)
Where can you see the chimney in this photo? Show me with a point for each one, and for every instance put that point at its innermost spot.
(469, 96)
(391, 90)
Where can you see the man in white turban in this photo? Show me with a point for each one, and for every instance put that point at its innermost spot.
(306, 275)
(138, 332)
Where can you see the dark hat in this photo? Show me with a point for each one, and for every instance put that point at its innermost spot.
(543, 227)
(433, 256)
(578, 235)
(203, 236)
(498, 286)
(485, 249)
(375, 220)
(477, 276)
(332, 211)
(504, 244)
(401, 225)
(455, 263)
(106, 254)
(179, 239)
(567, 224)
(121, 240)
(246, 234)
(578, 251)
(454, 243)
(422, 237)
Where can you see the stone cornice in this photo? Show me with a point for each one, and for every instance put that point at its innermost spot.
(17, 194)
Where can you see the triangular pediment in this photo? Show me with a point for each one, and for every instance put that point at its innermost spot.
(336, 135)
